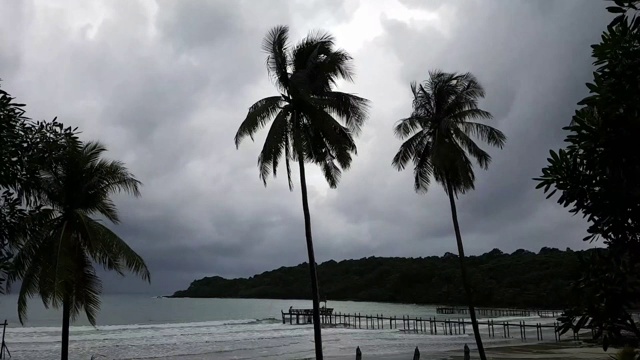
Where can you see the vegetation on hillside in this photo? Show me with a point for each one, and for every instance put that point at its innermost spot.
(520, 279)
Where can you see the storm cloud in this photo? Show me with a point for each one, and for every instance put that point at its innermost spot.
(165, 84)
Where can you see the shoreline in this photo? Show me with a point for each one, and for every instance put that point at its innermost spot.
(546, 350)
(532, 309)
(524, 351)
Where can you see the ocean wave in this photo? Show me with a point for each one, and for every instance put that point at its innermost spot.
(79, 329)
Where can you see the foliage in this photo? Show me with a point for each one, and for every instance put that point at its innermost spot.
(440, 129)
(439, 142)
(307, 111)
(305, 126)
(25, 148)
(55, 262)
(602, 298)
(522, 279)
(598, 175)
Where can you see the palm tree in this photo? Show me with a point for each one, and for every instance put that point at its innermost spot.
(305, 117)
(55, 260)
(439, 144)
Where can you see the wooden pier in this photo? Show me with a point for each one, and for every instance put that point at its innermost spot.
(305, 316)
(429, 325)
(488, 312)
(549, 313)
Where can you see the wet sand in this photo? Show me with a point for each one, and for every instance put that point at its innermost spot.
(549, 351)
(552, 351)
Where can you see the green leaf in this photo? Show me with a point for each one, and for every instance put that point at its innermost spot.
(551, 193)
(592, 87)
(588, 100)
(616, 10)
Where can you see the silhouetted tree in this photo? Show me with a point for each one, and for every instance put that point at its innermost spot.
(598, 175)
(26, 146)
(305, 117)
(439, 143)
(55, 259)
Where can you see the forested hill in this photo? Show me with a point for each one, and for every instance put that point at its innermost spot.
(520, 279)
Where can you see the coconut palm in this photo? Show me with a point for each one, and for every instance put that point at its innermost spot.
(55, 260)
(439, 144)
(310, 121)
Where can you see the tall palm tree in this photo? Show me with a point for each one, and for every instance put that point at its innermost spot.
(306, 126)
(55, 260)
(439, 144)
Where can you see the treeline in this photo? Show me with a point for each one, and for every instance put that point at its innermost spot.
(521, 279)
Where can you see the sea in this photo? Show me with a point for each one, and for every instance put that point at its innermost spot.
(144, 327)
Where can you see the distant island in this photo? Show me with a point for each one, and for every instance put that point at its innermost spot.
(520, 279)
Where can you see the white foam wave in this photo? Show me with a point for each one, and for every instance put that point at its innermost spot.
(248, 338)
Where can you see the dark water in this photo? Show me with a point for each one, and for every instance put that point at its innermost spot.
(138, 327)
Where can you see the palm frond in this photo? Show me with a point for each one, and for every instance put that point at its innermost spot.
(325, 151)
(331, 172)
(34, 265)
(88, 288)
(338, 64)
(453, 166)
(106, 208)
(288, 155)
(259, 114)
(472, 148)
(353, 109)
(317, 66)
(410, 149)
(490, 135)
(328, 138)
(424, 166)
(298, 141)
(276, 45)
(407, 127)
(90, 152)
(325, 70)
(113, 176)
(463, 115)
(307, 51)
(109, 250)
(89, 237)
(274, 146)
(422, 103)
(28, 289)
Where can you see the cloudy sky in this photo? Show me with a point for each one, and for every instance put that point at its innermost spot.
(165, 84)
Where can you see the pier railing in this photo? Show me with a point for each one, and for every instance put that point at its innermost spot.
(491, 312)
(429, 325)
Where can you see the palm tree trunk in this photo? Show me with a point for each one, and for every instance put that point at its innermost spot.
(312, 262)
(463, 269)
(66, 315)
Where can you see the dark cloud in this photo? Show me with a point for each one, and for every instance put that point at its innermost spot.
(165, 84)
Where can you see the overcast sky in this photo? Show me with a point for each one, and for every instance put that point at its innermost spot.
(165, 84)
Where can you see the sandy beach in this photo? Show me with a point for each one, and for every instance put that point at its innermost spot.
(550, 351)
